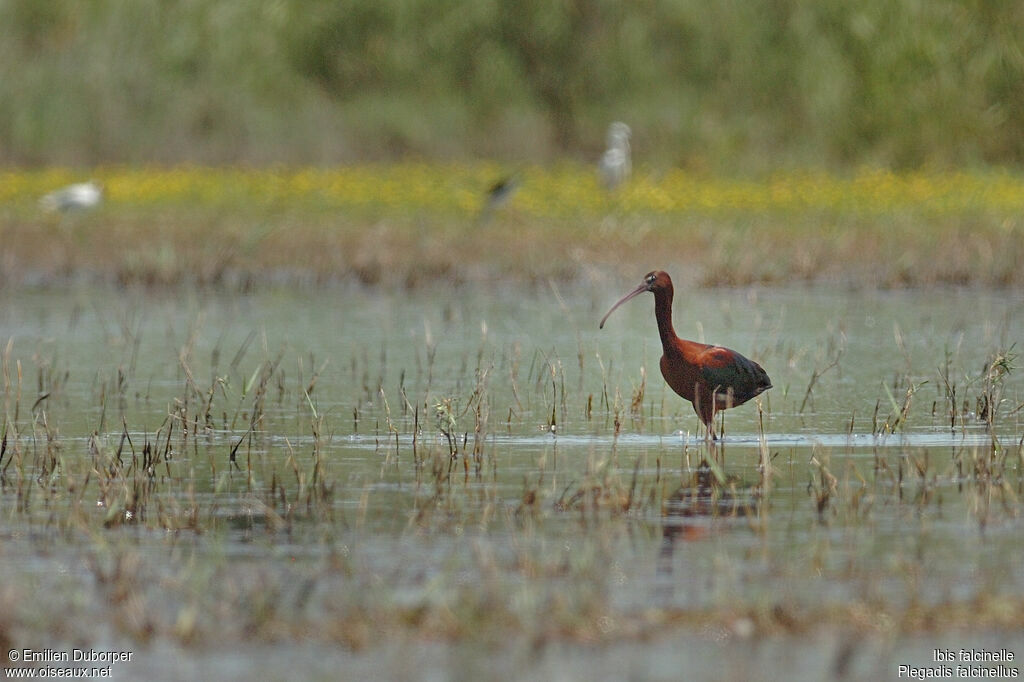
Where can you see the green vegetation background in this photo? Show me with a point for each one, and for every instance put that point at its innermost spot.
(733, 86)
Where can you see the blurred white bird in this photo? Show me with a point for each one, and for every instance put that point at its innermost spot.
(75, 197)
(616, 165)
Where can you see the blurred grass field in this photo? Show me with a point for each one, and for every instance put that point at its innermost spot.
(405, 224)
(276, 141)
(734, 87)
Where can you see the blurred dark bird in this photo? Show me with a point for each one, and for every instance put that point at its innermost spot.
(80, 196)
(711, 377)
(616, 165)
(498, 195)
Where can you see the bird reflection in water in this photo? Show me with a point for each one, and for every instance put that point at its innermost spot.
(690, 511)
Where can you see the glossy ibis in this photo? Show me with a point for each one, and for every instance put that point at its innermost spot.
(711, 377)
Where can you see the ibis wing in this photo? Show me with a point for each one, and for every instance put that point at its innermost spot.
(726, 371)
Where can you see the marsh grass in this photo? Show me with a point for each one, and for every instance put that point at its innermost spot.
(233, 520)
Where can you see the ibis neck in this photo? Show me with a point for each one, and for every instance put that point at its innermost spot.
(663, 313)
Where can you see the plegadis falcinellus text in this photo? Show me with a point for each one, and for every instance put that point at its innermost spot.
(711, 377)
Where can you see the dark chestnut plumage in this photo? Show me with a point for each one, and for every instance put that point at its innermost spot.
(711, 377)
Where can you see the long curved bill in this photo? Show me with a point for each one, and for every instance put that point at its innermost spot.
(636, 292)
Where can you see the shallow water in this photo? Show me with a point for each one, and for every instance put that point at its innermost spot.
(567, 450)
